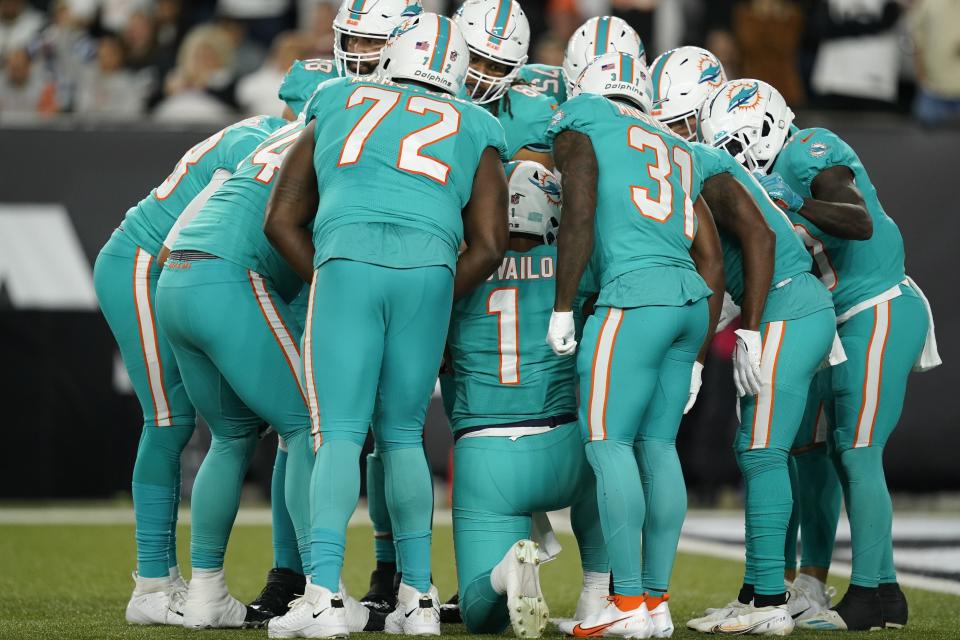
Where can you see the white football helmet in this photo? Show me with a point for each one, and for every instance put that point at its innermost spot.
(372, 19)
(596, 37)
(749, 119)
(681, 80)
(534, 200)
(498, 31)
(428, 48)
(616, 75)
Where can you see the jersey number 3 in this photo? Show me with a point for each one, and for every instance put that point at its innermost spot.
(382, 101)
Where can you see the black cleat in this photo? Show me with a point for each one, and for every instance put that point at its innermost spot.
(283, 587)
(382, 595)
(376, 620)
(894, 606)
(860, 609)
(450, 611)
(257, 618)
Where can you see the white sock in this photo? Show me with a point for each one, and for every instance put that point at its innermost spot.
(209, 580)
(174, 573)
(812, 580)
(151, 585)
(596, 581)
(498, 579)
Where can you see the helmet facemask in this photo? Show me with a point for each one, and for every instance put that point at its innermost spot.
(357, 63)
(483, 86)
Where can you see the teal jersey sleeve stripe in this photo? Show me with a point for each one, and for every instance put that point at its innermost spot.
(603, 34)
(500, 22)
(626, 68)
(442, 44)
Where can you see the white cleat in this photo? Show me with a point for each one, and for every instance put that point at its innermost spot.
(591, 602)
(155, 602)
(417, 614)
(763, 621)
(828, 620)
(807, 597)
(519, 573)
(660, 617)
(711, 616)
(318, 614)
(616, 620)
(210, 606)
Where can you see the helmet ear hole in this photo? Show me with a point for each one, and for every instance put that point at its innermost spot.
(766, 128)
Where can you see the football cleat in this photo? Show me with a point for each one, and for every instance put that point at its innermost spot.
(450, 611)
(711, 616)
(382, 595)
(209, 605)
(623, 617)
(417, 614)
(155, 601)
(283, 587)
(318, 614)
(756, 621)
(591, 602)
(807, 596)
(858, 610)
(519, 573)
(361, 618)
(660, 616)
(893, 604)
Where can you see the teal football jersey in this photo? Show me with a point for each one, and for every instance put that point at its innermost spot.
(396, 155)
(148, 222)
(302, 79)
(230, 225)
(504, 371)
(548, 79)
(854, 270)
(645, 223)
(791, 260)
(524, 113)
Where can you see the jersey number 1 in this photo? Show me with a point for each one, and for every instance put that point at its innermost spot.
(410, 157)
(660, 170)
(504, 304)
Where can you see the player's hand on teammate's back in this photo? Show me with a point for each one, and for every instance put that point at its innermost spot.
(696, 380)
(560, 335)
(746, 362)
(780, 192)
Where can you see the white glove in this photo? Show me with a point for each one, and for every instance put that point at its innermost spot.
(695, 381)
(728, 312)
(561, 332)
(746, 362)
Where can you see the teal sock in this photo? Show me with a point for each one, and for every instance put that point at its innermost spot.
(334, 490)
(483, 609)
(383, 546)
(665, 495)
(793, 527)
(819, 495)
(621, 505)
(409, 493)
(870, 512)
(286, 553)
(156, 497)
(216, 498)
(585, 521)
(300, 458)
(768, 508)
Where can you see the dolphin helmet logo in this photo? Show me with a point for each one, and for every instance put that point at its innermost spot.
(547, 185)
(747, 97)
(710, 74)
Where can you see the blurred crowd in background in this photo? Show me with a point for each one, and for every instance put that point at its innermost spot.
(212, 60)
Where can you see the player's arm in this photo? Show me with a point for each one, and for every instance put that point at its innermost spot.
(577, 163)
(293, 204)
(837, 206)
(708, 256)
(526, 153)
(735, 211)
(484, 225)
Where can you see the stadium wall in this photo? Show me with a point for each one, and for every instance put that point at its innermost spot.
(71, 424)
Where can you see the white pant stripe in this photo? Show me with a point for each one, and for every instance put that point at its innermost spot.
(277, 326)
(309, 382)
(763, 412)
(872, 376)
(601, 374)
(148, 336)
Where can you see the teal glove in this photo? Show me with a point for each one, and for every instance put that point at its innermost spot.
(781, 193)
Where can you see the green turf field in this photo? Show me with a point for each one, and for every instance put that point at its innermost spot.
(73, 581)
